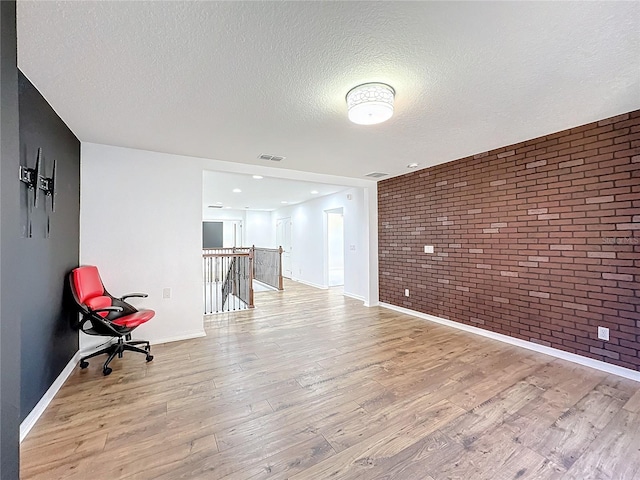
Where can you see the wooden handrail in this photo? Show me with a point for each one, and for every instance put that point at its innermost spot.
(230, 249)
(206, 255)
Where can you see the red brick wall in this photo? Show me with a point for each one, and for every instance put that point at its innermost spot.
(539, 240)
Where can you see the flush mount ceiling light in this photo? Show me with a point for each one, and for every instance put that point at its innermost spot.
(370, 103)
(258, 177)
(314, 192)
(413, 165)
(237, 190)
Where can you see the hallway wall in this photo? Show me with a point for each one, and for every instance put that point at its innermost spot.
(141, 225)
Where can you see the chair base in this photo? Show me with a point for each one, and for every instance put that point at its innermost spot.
(118, 349)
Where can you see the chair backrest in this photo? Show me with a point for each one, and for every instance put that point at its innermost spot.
(87, 283)
(88, 288)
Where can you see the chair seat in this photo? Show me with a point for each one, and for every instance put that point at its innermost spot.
(134, 319)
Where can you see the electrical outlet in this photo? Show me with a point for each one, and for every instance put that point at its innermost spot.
(603, 333)
(406, 292)
(166, 292)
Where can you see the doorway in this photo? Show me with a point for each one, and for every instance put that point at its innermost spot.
(283, 239)
(232, 234)
(335, 247)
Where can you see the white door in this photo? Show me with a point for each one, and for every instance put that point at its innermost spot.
(232, 233)
(283, 239)
(335, 248)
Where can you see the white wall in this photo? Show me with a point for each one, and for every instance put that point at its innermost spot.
(222, 214)
(260, 230)
(140, 223)
(309, 240)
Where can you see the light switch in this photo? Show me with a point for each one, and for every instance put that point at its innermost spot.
(428, 249)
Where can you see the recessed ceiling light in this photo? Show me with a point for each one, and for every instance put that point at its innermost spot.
(413, 165)
(258, 177)
(237, 190)
(227, 207)
(284, 201)
(314, 192)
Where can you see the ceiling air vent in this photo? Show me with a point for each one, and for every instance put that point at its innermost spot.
(376, 175)
(272, 158)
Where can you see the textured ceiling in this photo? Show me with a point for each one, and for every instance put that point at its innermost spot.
(267, 193)
(232, 80)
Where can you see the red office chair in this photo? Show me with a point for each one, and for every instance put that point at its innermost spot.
(106, 315)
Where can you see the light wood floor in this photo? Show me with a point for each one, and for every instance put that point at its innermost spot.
(312, 385)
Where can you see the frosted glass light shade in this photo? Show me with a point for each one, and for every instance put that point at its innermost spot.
(370, 103)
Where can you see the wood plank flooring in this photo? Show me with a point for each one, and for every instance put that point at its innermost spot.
(312, 385)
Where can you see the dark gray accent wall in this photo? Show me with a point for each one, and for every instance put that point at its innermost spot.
(212, 234)
(48, 342)
(10, 276)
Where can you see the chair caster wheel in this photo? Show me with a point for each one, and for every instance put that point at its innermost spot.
(149, 358)
(84, 364)
(106, 371)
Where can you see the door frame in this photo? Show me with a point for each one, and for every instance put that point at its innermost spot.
(338, 210)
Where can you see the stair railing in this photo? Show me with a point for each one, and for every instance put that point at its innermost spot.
(268, 266)
(227, 279)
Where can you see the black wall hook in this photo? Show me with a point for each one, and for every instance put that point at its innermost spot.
(31, 176)
(48, 186)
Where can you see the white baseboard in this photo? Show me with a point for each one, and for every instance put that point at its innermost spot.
(554, 352)
(353, 295)
(311, 284)
(177, 338)
(31, 419)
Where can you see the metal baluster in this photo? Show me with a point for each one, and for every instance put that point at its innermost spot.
(212, 284)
